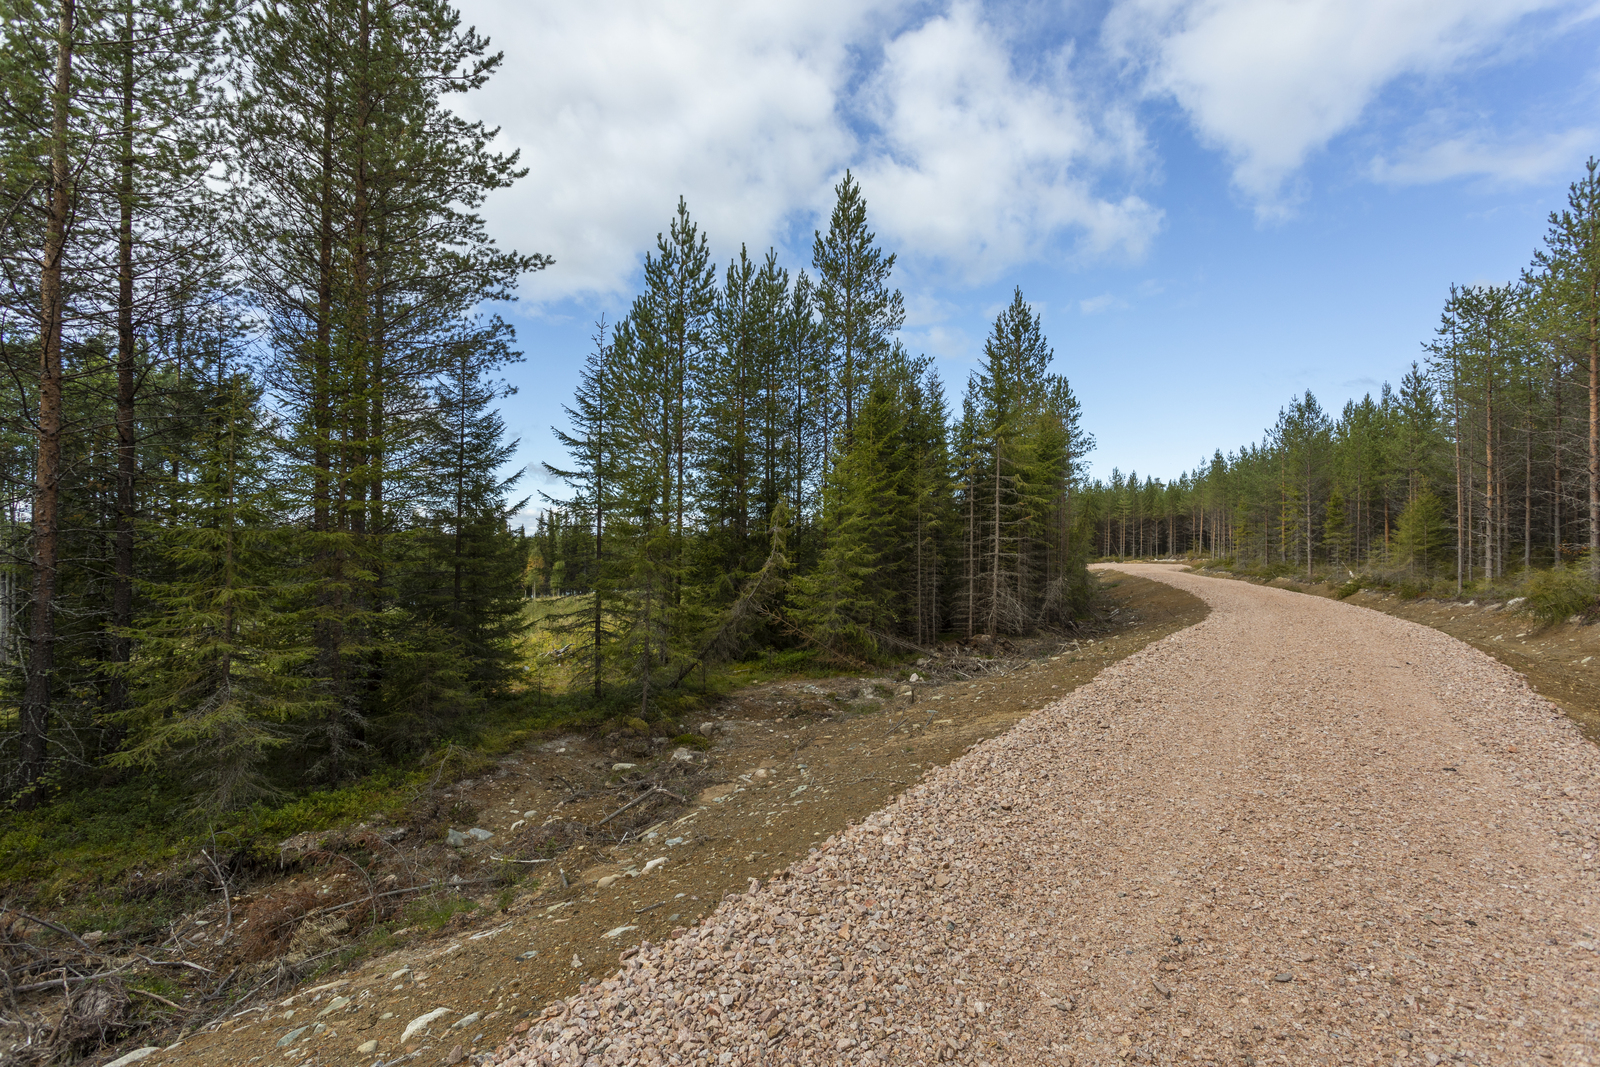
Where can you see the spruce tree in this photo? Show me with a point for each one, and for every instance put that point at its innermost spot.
(593, 477)
(219, 683)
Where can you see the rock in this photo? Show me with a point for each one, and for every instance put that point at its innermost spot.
(1284, 977)
(298, 845)
(334, 1005)
(289, 1038)
(135, 1056)
(466, 1021)
(366, 1048)
(1405, 1035)
(480, 833)
(457, 1054)
(683, 755)
(529, 954)
(421, 1023)
(623, 766)
(608, 881)
(915, 677)
(455, 838)
(1431, 1059)
(576, 961)
(618, 931)
(1162, 989)
(653, 864)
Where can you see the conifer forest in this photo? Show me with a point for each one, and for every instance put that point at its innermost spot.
(1483, 467)
(258, 531)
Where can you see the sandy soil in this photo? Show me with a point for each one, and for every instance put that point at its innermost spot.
(794, 761)
(1298, 832)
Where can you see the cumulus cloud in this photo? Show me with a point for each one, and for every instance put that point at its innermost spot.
(983, 168)
(1271, 81)
(620, 106)
(753, 111)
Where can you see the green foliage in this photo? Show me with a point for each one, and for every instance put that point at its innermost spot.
(1420, 535)
(1560, 593)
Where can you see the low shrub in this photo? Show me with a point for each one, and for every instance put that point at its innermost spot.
(1560, 593)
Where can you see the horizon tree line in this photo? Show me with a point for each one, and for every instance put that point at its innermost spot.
(1485, 461)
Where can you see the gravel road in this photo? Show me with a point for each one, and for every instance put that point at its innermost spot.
(1299, 832)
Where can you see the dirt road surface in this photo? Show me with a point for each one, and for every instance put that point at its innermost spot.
(1298, 832)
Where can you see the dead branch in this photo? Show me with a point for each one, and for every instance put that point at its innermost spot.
(227, 898)
(640, 799)
(58, 929)
(156, 996)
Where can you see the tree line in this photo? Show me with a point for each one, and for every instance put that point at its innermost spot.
(757, 461)
(254, 533)
(1484, 463)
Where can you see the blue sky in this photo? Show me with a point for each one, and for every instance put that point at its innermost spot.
(1214, 204)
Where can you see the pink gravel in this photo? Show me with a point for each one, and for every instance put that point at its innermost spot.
(1299, 832)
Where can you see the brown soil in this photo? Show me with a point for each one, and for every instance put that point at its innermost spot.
(792, 763)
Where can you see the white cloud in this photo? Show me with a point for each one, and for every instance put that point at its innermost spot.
(621, 106)
(984, 169)
(752, 112)
(1272, 81)
(1473, 155)
(1094, 305)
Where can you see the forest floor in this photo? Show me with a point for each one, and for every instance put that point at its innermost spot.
(791, 764)
(1561, 662)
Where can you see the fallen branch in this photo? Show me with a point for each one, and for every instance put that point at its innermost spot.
(58, 929)
(640, 799)
(65, 980)
(394, 893)
(156, 996)
(174, 963)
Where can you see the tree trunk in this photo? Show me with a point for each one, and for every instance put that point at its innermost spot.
(47, 476)
(127, 445)
(1594, 445)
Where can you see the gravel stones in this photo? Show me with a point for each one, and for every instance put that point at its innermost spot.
(1125, 875)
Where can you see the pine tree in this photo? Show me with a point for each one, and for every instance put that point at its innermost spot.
(1571, 257)
(860, 313)
(367, 186)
